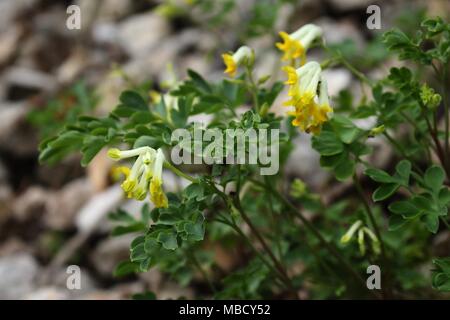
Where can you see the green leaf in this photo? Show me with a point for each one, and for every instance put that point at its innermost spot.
(196, 231)
(125, 268)
(148, 295)
(91, 149)
(138, 253)
(194, 191)
(396, 222)
(327, 144)
(199, 81)
(385, 191)
(379, 176)
(132, 99)
(444, 196)
(344, 168)
(405, 208)
(168, 240)
(403, 169)
(434, 178)
(431, 222)
(345, 129)
(132, 228)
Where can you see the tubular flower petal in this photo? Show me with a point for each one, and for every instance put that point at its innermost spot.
(145, 175)
(156, 192)
(296, 44)
(351, 231)
(243, 55)
(309, 96)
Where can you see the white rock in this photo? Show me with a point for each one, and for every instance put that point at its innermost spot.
(97, 208)
(337, 79)
(48, 293)
(107, 255)
(17, 275)
(338, 31)
(63, 206)
(29, 78)
(138, 34)
(304, 163)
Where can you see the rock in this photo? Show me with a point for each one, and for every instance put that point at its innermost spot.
(304, 163)
(139, 34)
(153, 279)
(3, 172)
(17, 276)
(13, 246)
(168, 51)
(111, 10)
(16, 135)
(338, 31)
(72, 67)
(5, 196)
(9, 42)
(63, 206)
(48, 293)
(347, 5)
(96, 209)
(119, 292)
(30, 204)
(10, 9)
(108, 253)
(441, 244)
(171, 290)
(337, 79)
(30, 79)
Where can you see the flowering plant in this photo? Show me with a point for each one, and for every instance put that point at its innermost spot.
(290, 240)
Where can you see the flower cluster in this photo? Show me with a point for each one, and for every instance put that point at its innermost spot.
(308, 90)
(144, 176)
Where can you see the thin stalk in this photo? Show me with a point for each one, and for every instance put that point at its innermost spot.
(376, 228)
(322, 240)
(195, 262)
(178, 172)
(282, 274)
(402, 151)
(253, 87)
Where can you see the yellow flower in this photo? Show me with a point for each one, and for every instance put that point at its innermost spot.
(156, 192)
(118, 171)
(145, 174)
(243, 55)
(296, 44)
(309, 97)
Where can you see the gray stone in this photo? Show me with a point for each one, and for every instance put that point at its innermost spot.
(17, 276)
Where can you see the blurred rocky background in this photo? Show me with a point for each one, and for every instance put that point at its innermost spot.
(55, 216)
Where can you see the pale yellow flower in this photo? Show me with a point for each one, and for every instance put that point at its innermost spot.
(296, 44)
(243, 55)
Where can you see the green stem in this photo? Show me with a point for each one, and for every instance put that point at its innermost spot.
(402, 151)
(376, 228)
(178, 172)
(321, 239)
(279, 271)
(195, 262)
(253, 87)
